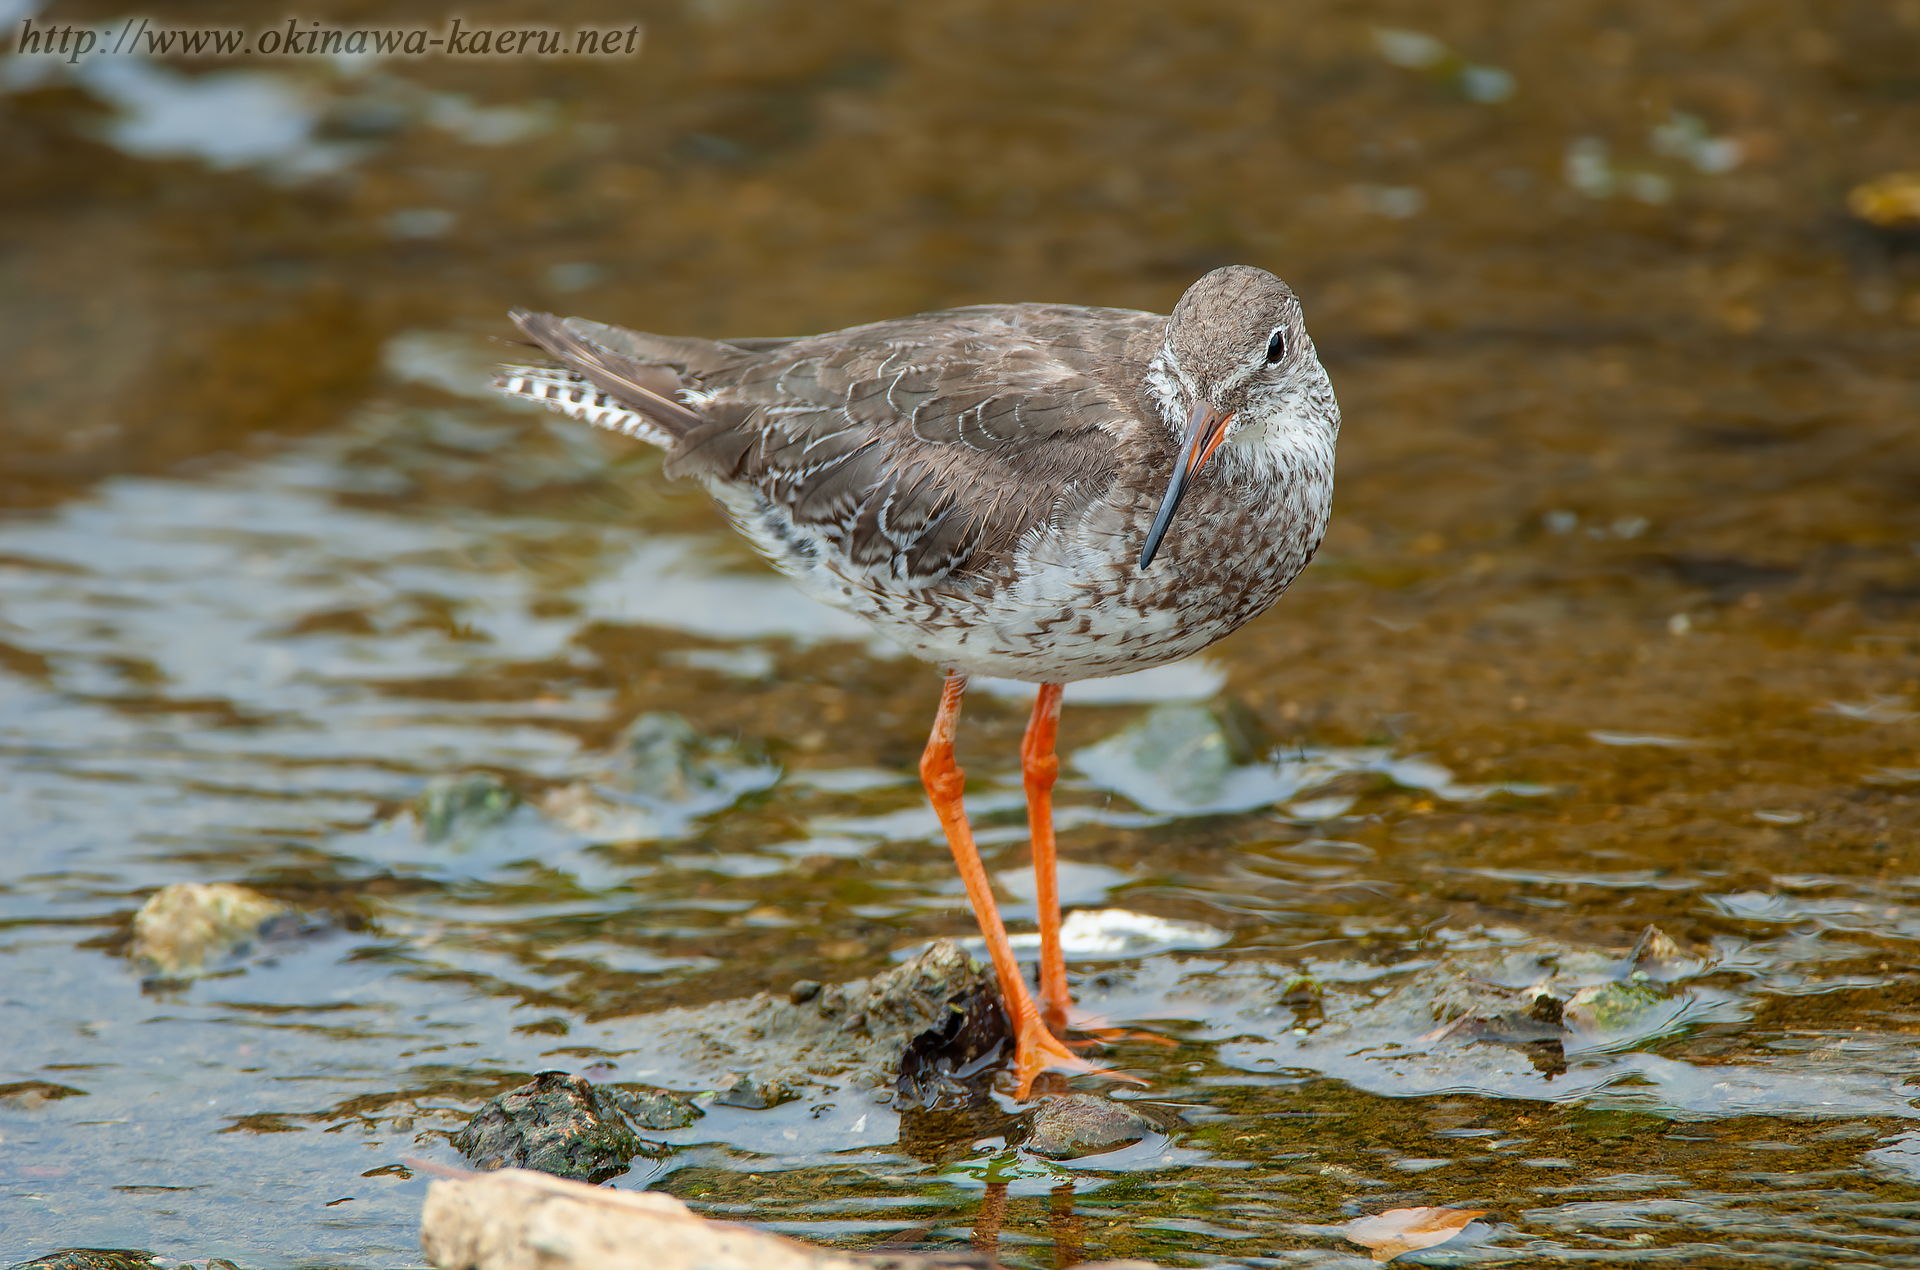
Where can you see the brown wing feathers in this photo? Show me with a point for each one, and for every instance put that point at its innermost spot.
(919, 447)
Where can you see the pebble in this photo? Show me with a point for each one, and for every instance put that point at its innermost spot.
(1069, 1126)
(457, 806)
(189, 928)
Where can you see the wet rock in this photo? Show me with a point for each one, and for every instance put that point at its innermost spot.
(455, 807)
(848, 1034)
(662, 756)
(557, 1124)
(1069, 1126)
(190, 928)
(939, 1068)
(1529, 1021)
(1541, 997)
(1613, 1007)
(752, 1054)
(516, 1220)
(1187, 748)
(659, 778)
(655, 1109)
(1303, 992)
(1190, 760)
(742, 1092)
(1486, 1013)
(91, 1259)
(1655, 956)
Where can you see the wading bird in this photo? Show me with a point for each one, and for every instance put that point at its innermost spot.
(1036, 491)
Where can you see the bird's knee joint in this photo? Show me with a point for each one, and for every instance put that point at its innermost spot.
(942, 776)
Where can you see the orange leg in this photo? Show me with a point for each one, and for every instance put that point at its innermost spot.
(1040, 767)
(1035, 1048)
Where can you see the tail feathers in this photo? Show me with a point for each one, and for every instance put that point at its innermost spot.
(681, 352)
(577, 397)
(636, 384)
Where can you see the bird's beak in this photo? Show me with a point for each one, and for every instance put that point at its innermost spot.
(1206, 428)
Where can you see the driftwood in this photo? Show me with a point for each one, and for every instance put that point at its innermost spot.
(514, 1219)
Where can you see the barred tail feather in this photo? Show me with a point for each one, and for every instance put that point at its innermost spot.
(649, 387)
(574, 395)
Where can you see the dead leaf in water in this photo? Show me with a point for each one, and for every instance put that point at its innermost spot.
(1401, 1230)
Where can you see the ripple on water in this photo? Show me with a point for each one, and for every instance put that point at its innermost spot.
(263, 673)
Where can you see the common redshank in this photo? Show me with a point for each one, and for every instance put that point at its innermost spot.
(1040, 492)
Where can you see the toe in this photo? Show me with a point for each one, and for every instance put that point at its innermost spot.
(1038, 1050)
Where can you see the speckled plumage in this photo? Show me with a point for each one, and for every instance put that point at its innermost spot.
(978, 483)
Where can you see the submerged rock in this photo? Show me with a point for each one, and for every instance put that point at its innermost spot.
(655, 781)
(655, 1109)
(1529, 1020)
(1656, 956)
(662, 756)
(1486, 1012)
(1190, 754)
(453, 807)
(742, 1092)
(190, 928)
(1188, 760)
(94, 1259)
(562, 1125)
(1612, 1007)
(1069, 1126)
(1542, 997)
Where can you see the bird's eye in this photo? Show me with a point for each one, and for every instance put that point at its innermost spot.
(1276, 345)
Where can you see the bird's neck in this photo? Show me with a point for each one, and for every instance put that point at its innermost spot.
(1168, 393)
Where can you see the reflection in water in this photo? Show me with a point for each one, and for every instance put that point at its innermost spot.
(1615, 626)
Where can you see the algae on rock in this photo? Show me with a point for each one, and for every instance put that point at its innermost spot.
(557, 1124)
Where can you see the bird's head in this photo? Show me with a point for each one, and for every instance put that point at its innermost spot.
(1236, 349)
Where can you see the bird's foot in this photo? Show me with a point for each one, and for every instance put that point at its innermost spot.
(1036, 1049)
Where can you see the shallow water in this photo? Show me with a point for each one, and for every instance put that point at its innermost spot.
(1616, 626)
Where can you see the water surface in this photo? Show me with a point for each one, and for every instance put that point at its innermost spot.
(1616, 624)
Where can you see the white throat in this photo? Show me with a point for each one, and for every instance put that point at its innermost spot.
(1286, 431)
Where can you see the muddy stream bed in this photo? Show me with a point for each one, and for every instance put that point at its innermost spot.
(1616, 628)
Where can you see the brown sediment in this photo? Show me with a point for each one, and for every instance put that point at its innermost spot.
(1626, 510)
